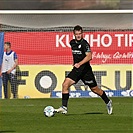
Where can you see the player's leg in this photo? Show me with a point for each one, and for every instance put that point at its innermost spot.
(103, 95)
(65, 90)
(65, 95)
(5, 84)
(71, 79)
(89, 80)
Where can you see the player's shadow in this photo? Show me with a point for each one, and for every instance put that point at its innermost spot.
(90, 113)
(8, 131)
(93, 113)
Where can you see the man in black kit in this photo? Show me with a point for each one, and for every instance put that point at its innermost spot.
(81, 70)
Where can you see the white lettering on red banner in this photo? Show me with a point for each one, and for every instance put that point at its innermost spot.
(108, 47)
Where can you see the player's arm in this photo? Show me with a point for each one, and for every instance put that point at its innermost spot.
(86, 59)
(15, 65)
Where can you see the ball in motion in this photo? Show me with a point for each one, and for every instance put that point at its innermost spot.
(49, 111)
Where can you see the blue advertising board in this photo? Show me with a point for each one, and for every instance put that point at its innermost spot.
(1, 57)
(109, 93)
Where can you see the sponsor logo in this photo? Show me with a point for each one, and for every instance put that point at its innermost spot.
(76, 52)
(89, 82)
(71, 94)
(79, 46)
(127, 93)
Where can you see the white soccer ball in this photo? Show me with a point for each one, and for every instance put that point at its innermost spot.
(49, 111)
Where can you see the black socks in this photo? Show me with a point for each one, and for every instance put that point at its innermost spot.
(65, 98)
(105, 98)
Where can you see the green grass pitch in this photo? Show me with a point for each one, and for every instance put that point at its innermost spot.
(86, 115)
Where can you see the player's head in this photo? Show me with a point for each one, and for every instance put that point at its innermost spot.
(78, 32)
(7, 45)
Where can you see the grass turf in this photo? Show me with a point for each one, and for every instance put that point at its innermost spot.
(86, 115)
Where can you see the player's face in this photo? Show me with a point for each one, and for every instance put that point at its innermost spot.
(6, 47)
(78, 35)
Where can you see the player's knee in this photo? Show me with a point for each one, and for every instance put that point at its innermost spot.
(65, 85)
(97, 90)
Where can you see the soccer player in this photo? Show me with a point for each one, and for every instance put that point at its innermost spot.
(8, 70)
(81, 70)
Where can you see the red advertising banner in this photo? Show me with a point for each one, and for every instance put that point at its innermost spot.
(108, 47)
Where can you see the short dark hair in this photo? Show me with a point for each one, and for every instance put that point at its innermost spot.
(8, 43)
(77, 27)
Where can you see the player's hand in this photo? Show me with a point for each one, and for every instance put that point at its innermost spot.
(9, 71)
(77, 65)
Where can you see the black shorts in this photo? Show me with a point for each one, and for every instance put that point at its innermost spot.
(85, 74)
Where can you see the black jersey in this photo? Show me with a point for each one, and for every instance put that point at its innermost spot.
(79, 50)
